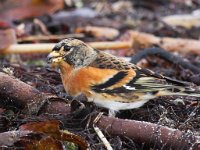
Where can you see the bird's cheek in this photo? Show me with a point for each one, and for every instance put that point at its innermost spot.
(55, 63)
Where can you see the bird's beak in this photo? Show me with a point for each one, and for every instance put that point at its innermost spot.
(54, 57)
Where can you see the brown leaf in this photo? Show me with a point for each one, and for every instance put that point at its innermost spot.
(42, 127)
(67, 136)
(45, 143)
(51, 134)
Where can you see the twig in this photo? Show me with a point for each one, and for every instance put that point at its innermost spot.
(165, 55)
(100, 134)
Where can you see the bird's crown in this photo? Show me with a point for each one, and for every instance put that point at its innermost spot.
(74, 52)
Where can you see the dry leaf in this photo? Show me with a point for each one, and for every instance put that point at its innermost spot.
(51, 137)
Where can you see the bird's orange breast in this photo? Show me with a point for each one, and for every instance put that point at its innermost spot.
(78, 81)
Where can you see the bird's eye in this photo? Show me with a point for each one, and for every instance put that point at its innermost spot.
(67, 48)
(56, 48)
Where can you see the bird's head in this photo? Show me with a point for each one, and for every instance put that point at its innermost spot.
(72, 51)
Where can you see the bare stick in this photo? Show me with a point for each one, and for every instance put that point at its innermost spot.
(47, 47)
(111, 45)
(100, 134)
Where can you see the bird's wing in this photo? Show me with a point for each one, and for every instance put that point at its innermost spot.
(142, 80)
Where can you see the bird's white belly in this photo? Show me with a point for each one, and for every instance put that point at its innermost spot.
(116, 106)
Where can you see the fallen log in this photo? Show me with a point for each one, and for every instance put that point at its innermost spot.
(156, 136)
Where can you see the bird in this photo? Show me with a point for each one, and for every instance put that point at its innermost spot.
(108, 81)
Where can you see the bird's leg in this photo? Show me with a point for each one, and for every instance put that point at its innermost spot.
(77, 105)
(111, 113)
(80, 97)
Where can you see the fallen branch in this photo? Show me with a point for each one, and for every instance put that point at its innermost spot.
(17, 93)
(14, 92)
(151, 134)
(47, 47)
(185, 46)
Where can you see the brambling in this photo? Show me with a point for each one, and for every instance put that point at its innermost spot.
(108, 81)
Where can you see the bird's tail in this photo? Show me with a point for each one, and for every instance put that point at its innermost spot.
(180, 91)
